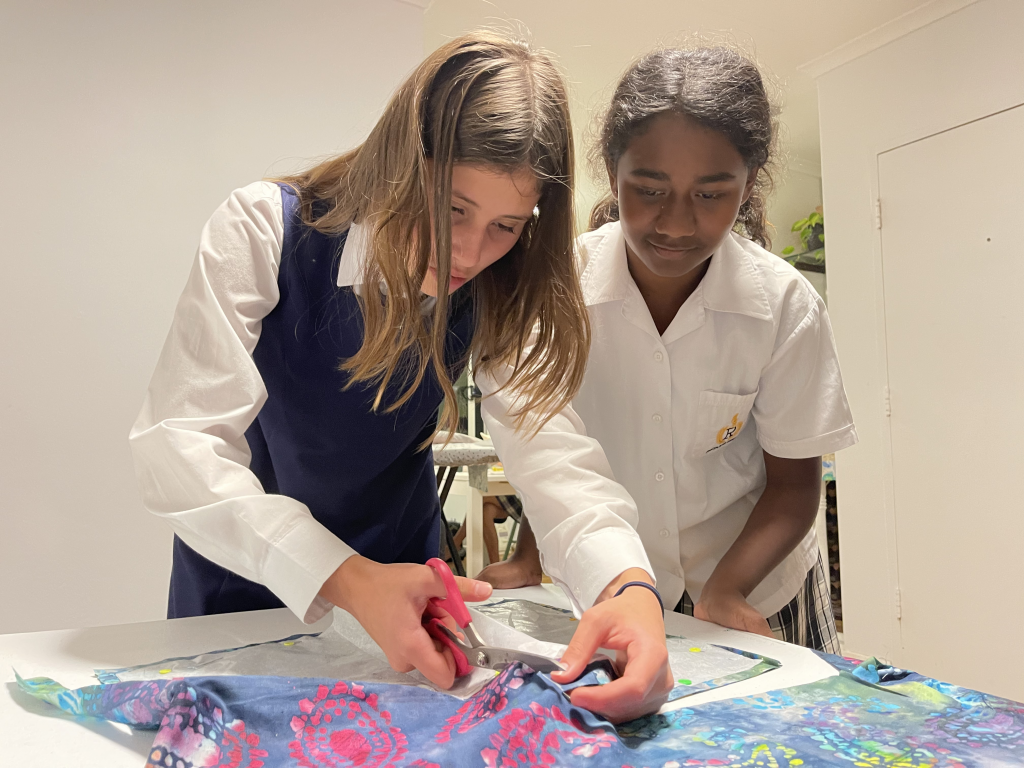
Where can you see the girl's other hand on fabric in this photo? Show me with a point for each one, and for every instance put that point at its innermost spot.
(730, 609)
(632, 625)
(389, 601)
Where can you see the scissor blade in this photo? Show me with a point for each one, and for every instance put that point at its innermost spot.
(499, 658)
(490, 657)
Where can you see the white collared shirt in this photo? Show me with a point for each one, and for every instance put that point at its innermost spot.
(188, 443)
(679, 420)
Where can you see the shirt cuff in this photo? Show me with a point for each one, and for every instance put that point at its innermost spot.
(299, 564)
(594, 562)
(810, 447)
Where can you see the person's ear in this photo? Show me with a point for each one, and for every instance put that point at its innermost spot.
(748, 189)
(613, 182)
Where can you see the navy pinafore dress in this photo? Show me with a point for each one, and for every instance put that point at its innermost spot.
(361, 473)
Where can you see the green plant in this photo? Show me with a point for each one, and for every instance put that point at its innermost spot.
(812, 232)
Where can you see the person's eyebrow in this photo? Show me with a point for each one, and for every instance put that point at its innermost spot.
(476, 205)
(723, 176)
(649, 173)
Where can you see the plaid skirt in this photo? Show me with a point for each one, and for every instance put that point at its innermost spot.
(806, 620)
(511, 506)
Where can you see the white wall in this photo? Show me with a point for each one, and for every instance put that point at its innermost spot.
(124, 125)
(957, 69)
(596, 41)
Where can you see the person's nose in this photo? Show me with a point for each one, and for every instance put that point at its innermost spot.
(677, 217)
(467, 250)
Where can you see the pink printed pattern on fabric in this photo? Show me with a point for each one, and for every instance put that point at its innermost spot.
(533, 736)
(342, 726)
(491, 700)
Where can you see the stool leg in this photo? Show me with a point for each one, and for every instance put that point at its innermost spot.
(474, 532)
(511, 536)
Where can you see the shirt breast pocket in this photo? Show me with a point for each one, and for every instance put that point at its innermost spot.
(721, 418)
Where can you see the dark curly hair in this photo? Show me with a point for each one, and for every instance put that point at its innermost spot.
(719, 89)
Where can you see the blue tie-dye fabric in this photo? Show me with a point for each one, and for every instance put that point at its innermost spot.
(522, 718)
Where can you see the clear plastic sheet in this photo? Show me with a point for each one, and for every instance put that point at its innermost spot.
(345, 651)
(695, 666)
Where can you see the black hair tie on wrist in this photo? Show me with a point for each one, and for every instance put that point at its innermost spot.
(645, 585)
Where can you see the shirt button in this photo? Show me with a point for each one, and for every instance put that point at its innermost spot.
(660, 476)
(663, 533)
(657, 418)
(659, 356)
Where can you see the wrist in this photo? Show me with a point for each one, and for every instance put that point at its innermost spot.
(345, 582)
(628, 575)
(722, 588)
(642, 585)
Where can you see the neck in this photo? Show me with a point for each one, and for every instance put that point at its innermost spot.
(664, 295)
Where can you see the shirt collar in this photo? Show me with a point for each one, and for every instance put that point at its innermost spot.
(730, 285)
(605, 275)
(353, 260)
(353, 256)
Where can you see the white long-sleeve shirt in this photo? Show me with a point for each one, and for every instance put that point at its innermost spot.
(188, 443)
(666, 433)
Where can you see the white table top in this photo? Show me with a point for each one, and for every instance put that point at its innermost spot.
(35, 735)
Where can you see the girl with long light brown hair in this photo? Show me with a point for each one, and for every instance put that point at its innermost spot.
(285, 436)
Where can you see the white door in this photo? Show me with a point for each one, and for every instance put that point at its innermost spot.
(952, 208)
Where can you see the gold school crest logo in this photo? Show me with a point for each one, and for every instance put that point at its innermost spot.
(727, 433)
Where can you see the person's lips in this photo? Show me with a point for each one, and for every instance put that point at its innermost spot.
(673, 250)
(455, 281)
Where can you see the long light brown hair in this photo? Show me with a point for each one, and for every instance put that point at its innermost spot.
(484, 100)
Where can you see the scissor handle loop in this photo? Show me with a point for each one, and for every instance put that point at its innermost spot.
(452, 602)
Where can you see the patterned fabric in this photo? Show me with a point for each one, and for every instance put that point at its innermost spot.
(806, 620)
(832, 540)
(867, 715)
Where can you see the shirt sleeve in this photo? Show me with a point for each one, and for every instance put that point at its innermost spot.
(585, 522)
(188, 443)
(801, 409)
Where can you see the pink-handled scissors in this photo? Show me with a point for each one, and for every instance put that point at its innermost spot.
(472, 651)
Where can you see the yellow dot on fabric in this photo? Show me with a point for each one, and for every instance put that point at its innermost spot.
(798, 761)
(695, 650)
(165, 671)
(288, 642)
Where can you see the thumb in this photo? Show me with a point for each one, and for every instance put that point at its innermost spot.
(473, 591)
(582, 647)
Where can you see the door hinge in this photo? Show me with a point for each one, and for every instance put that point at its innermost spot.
(886, 402)
(878, 213)
(899, 605)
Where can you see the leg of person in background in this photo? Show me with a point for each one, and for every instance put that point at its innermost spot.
(493, 513)
(522, 569)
